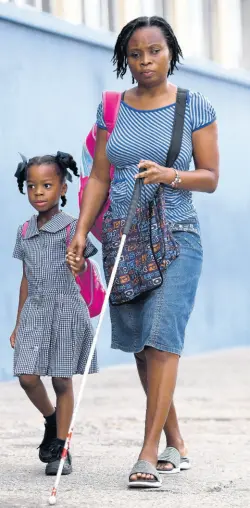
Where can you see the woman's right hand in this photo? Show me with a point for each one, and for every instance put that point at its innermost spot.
(95, 195)
(75, 252)
(13, 338)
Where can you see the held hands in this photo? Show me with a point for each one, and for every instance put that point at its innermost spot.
(74, 258)
(75, 264)
(154, 173)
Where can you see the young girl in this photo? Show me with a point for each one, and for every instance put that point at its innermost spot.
(53, 333)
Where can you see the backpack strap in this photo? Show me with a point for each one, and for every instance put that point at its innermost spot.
(68, 235)
(24, 229)
(111, 103)
(177, 132)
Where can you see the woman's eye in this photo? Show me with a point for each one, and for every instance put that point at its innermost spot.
(134, 55)
(154, 51)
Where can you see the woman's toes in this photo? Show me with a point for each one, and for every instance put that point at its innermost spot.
(168, 466)
(141, 477)
(133, 477)
(165, 466)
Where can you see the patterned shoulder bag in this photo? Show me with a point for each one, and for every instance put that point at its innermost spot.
(150, 246)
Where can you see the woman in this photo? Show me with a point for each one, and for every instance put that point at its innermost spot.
(153, 328)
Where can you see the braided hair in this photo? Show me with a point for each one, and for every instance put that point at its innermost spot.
(120, 52)
(62, 161)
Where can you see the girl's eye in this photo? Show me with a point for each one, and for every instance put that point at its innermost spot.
(47, 185)
(30, 186)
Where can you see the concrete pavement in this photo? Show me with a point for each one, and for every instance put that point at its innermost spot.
(213, 401)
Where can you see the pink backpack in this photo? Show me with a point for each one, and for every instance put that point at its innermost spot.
(90, 282)
(111, 103)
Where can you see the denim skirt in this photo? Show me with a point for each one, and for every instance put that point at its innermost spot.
(159, 320)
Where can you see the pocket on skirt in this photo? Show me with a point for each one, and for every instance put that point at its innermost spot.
(189, 239)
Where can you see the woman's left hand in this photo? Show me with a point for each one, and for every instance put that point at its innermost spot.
(154, 173)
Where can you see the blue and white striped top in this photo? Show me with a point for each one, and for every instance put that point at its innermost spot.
(140, 134)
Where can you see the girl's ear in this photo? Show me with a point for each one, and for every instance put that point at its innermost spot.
(63, 194)
(64, 189)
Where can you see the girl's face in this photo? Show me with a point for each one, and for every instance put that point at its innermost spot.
(45, 187)
(148, 56)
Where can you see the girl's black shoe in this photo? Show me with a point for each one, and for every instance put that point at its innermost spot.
(49, 438)
(53, 465)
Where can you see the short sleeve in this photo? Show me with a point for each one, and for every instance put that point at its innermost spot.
(90, 249)
(202, 112)
(99, 117)
(18, 252)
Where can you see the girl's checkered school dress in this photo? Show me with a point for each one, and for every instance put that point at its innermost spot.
(55, 334)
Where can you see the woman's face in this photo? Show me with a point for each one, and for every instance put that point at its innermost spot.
(148, 56)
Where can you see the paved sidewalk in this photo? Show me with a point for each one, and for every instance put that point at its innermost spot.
(213, 401)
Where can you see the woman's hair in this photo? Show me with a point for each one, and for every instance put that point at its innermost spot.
(120, 52)
(62, 161)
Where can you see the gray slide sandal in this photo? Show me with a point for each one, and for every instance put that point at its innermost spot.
(172, 456)
(185, 464)
(144, 467)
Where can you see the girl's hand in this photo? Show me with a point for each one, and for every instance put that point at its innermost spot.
(77, 246)
(75, 266)
(75, 251)
(13, 339)
(154, 173)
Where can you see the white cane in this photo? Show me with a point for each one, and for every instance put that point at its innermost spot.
(131, 212)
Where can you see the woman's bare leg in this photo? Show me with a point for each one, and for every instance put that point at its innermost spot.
(158, 372)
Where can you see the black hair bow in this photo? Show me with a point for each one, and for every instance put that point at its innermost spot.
(65, 160)
(21, 166)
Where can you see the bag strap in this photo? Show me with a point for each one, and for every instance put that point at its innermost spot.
(111, 103)
(68, 235)
(178, 126)
(26, 224)
(24, 229)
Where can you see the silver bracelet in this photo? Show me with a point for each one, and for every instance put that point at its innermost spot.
(177, 179)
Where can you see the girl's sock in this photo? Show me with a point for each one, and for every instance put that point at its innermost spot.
(51, 420)
(61, 442)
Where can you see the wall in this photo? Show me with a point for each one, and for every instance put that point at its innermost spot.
(51, 78)
(246, 33)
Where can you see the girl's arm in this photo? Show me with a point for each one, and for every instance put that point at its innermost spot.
(23, 293)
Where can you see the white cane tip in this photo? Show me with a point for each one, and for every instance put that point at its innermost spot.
(52, 500)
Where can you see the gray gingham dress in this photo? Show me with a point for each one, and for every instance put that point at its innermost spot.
(55, 334)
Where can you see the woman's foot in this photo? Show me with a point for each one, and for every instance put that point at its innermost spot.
(150, 457)
(180, 446)
(146, 474)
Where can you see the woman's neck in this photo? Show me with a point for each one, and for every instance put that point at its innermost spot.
(151, 98)
(154, 91)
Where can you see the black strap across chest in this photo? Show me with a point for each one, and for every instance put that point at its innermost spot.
(177, 132)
